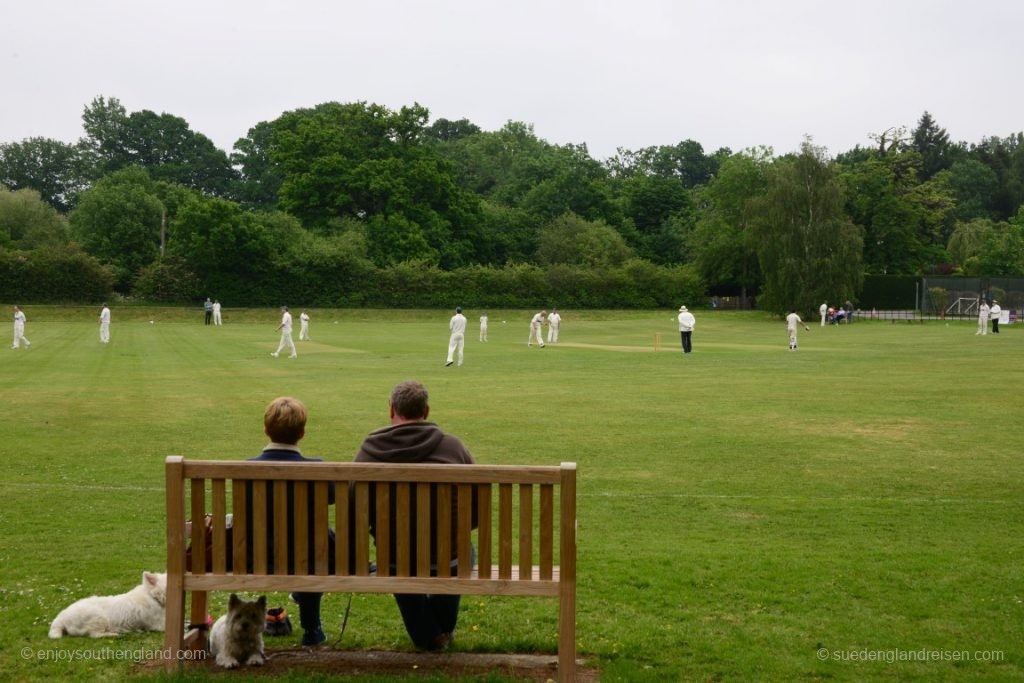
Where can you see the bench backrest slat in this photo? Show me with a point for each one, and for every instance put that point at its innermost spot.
(547, 511)
(300, 527)
(382, 493)
(505, 531)
(484, 540)
(220, 549)
(525, 527)
(239, 498)
(465, 530)
(280, 545)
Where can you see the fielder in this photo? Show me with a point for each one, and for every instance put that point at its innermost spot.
(982, 318)
(535, 332)
(304, 326)
(792, 321)
(19, 329)
(286, 334)
(216, 313)
(823, 310)
(483, 327)
(457, 340)
(554, 321)
(105, 325)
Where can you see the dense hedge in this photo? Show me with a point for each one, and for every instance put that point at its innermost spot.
(888, 292)
(53, 275)
(72, 276)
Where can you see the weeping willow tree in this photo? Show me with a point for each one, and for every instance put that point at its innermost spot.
(808, 248)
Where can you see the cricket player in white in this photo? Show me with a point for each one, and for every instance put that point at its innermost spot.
(304, 326)
(216, 313)
(554, 320)
(483, 327)
(457, 340)
(286, 334)
(19, 329)
(982, 318)
(105, 325)
(535, 332)
(792, 321)
(823, 309)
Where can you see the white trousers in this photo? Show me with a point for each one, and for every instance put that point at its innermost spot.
(553, 333)
(823, 320)
(792, 338)
(456, 343)
(304, 332)
(286, 340)
(982, 326)
(483, 333)
(216, 318)
(105, 333)
(19, 337)
(535, 332)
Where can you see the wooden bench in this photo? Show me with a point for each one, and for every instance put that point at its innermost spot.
(524, 515)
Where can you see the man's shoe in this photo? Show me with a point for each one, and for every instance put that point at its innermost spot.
(293, 356)
(274, 354)
(449, 363)
(313, 637)
(441, 642)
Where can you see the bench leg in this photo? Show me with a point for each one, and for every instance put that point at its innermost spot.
(200, 602)
(567, 635)
(174, 623)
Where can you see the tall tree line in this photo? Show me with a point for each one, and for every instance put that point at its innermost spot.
(361, 186)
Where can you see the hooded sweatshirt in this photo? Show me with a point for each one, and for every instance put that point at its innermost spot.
(415, 442)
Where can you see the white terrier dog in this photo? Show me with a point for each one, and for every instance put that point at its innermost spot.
(140, 609)
(237, 636)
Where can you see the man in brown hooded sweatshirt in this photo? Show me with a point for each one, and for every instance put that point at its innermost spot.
(429, 619)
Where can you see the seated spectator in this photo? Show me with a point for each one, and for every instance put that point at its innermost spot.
(429, 619)
(284, 423)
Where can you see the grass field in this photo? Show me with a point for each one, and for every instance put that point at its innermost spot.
(745, 512)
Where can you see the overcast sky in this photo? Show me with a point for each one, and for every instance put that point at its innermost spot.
(626, 73)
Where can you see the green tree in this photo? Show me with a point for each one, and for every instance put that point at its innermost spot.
(260, 178)
(218, 238)
(1005, 156)
(932, 142)
(1000, 253)
(685, 161)
(575, 240)
(27, 222)
(163, 144)
(661, 215)
(446, 131)
(723, 243)
(370, 164)
(975, 189)
(906, 222)
(968, 238)
(808, 248)
(54, 169)
(118, 220)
